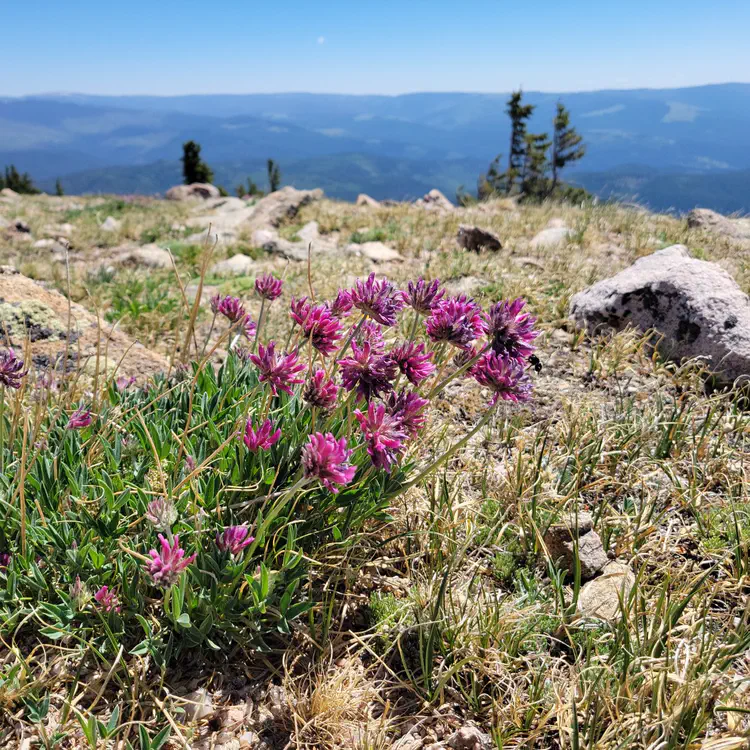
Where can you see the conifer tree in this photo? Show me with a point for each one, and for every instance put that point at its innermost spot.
(534, 181)
(18, 183)
(274, 176)
(519, 113)
(58, 187)
(567, 144)
(194, 169)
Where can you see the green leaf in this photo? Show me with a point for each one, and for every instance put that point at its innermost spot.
(184, 620)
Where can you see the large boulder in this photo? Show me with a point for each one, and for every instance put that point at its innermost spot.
(695, 306)
(475, 239)
(435, 201)
(283, 204)
(705, 218)
(29, 310)
(201, 190)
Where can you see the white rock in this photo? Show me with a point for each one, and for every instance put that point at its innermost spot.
(200, 190)
(696, 306)
(110, 224)
(310, 232)
(237, 265)
(221, 238)
(272, 209)
(149, 256)
(365, 200)
(704, 218)
(600, 598)
(435, 200)
(550, 237)
(44, 244)
(198, 705)
(375, 251)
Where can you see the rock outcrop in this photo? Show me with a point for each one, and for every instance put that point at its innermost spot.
(201, 190)
(435, 201)
(476, 239)
(695, 306)
(365, 200)
(29, 310)
(706, 219)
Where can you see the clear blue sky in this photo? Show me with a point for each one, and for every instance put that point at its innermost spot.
(388, 46)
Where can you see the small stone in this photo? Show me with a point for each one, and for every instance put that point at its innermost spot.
(469, 738)
(199, 190)
(561, 539)
(365, 200)
(476, 239)
(149, 256)
(377, 252)
(198, 705)
(600, 598)
(550, 237)
(434, 200)
(278, 702)
(44, 244)
(249, 740)
(110, 224)
(237, 265)
(20, 226)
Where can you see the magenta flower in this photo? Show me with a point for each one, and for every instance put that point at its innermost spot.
(4, 559)
(384, 434)
(299, 309)
(189, 464)
(463, 357)
(234, 311)
(512, 331)
(456, 320)
(278, 371)
(327, 459)
(341, 307)
(408, 407)
(123, 382)
(263, 439)
(107, 599)
(413, 362)
(370, 373)
(504, 376)
(322, 329)
(423, 297)
(371, 333)
(161, 513)
(234, 539)
(378, 299)
(11, 369)
(79, 419)
(166, 565)
(320, 391)
(268, 287)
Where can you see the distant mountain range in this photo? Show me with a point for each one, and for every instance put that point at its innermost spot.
(670, 149)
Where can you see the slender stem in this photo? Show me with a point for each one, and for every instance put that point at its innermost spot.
(342, 351)
(414, 324)
(460, 371)
(260, 322)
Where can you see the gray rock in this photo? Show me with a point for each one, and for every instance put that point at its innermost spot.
(110, 224)
(149, 256)
(562, 538)
(377, 252)
(8, 193)
(695, 305)
(704, 218)
(225, 204)
(600, 598)
(200, 190)
(44, 244)
(198, 705)
(435, 201)
(476, 239)
(271, 210)
(365, 200)
(61, 230)
(4, 223)
(20, 226)
(310, 232)
(237, 265)
(549, 238)
(469, 738)
(210, 237)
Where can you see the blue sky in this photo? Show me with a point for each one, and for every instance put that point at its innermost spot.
(388, 47)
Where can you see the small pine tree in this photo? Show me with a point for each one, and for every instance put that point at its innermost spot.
(495, 181)
(19, 183)
(567, 144)
(194, 169)
(252, 188)
(534, 181)
(59, 187)
(274, 176)
(519, 113)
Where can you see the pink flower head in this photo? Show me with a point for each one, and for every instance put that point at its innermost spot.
(11, 369)
(384, 434)
(278, 371)
(457, 320)
(327, 459)
(504, 376)
(123, 382)
(234, 539)
(371, 333)
(166, 565)
(79, 419)
(107, 599)
(341, 307)
(370, 373)
(234, 311)
(378, 299)
(408, 407)
(463, 357)
(161, 513)
(263, 439)
(4, 559)
(320, 391)
(268, 287)
(423, 296)
(299, 309)
(322, 329)
(512, 331)
(413, 362)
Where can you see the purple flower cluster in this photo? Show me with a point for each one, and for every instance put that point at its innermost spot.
(234, 539)
(504, 376)
(169, 562)
(262, 438)
(414, 363)
(370, 373)
(458, 321)
(319, 325)
(511, 331)
(107, 599)
(234, 311)
(384, 433)
(424, 297)
(79, 419)
(327, 459)
(161, 513)
(11, 369)
(378, 299)
(268, 287)
(4, 559)
(278, 371)
(320, 391)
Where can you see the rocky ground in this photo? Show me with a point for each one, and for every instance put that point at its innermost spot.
(621, 622)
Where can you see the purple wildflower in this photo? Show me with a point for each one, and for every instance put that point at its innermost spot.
(341, 307)
(79, 594)
(504, 376)
(457, 320)
(123, 382)
(384, 434)
(161, 513)
(79, 419)
(412, 361)
(268, 287)
(371, 333)
(320, 391)
(378, 299)
(4, 559)
(463, 357)
(166, 565)
(278, 371)
(327, 459)
(234, 539)
(11, 369)
(107, 599)
(322, 329)
(262, 439)
(189, 464)
(299, 309)
(512, 331)
(423, 297)
(234, 311)
(408, 407)
(370, 373)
